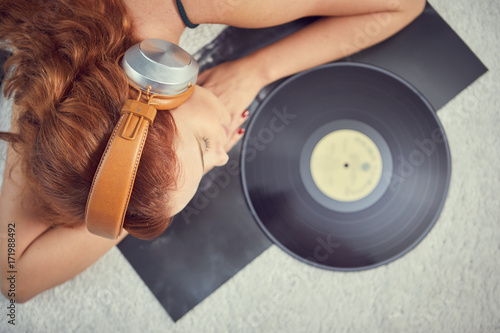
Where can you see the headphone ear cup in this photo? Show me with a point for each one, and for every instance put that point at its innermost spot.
(160, 68)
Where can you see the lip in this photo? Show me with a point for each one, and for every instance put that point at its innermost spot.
(225, 129)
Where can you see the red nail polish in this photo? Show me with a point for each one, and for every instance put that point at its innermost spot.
(241, 131)
(245, 114)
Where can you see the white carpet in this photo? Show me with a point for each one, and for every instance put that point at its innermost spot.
(448, 283)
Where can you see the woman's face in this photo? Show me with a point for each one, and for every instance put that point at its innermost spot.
(202, 127)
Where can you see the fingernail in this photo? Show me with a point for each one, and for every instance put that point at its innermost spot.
(241, 131)
(245, 114)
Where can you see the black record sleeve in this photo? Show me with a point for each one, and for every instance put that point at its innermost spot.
(192, 259)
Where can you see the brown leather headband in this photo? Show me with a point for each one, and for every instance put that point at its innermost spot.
(160, 102)
(114, 179)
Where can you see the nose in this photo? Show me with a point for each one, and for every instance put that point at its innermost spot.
(222, 159)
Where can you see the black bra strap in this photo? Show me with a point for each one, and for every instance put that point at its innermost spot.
(184, 17)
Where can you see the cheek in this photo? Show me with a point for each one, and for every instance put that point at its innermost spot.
(182, 198)
(188, 181)
(211, 107)
(186, 189)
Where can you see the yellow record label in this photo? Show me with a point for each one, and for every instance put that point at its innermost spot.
(346, 165)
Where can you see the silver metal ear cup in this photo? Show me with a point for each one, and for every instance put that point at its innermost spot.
(161, 65)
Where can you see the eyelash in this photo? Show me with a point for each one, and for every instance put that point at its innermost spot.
(207, 143)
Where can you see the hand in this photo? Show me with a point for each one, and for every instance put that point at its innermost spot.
(236, 85)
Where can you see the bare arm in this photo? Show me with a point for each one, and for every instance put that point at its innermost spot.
(346, 28)
(334, 37)
(44, 256)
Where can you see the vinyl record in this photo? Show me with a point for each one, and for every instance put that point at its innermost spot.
(345, 166)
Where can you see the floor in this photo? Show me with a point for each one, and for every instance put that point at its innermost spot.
(449, 283)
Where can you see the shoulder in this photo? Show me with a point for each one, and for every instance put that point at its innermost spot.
(250, 13)
(15, 209)
(15, 198)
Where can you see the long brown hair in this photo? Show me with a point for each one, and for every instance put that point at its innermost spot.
(66, 82)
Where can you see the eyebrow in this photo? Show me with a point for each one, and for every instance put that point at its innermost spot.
(201, 155)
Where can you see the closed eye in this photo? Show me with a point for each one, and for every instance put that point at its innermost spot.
(207, 144)
(202, 157)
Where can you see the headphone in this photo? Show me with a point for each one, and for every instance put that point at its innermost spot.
(161, 76)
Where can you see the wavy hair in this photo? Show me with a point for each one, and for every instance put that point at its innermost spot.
(69, 89)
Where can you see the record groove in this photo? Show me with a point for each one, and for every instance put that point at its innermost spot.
(336, 231)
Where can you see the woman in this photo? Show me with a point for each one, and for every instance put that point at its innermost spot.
(68, 90)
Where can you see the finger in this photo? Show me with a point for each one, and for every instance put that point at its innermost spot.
(237, 135)
(203, 77)
(238, 120)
